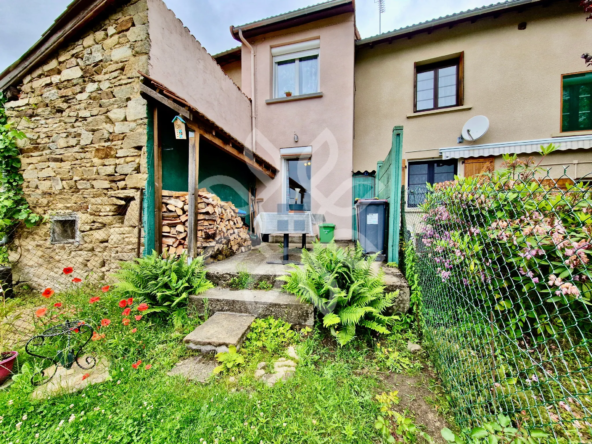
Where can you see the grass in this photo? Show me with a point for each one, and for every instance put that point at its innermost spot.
(330, 399)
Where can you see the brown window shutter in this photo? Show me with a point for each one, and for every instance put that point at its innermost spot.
(478, 165)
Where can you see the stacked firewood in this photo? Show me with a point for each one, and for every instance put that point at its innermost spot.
(175, 214)
(220, 231)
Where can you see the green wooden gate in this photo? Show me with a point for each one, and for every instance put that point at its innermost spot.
(363, 189)
(388, 186)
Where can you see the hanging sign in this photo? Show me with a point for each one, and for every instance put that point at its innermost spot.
(180, 131)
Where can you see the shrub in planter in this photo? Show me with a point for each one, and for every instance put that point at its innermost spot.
(344, 288)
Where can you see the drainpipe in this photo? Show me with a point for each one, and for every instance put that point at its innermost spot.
(253, 118)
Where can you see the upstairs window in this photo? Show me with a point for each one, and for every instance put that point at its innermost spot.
(296, 69)
(576, 107)
(438, 85)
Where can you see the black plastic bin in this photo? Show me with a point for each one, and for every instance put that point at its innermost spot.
(372, 225)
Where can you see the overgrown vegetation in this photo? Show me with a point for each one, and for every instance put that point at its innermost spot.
(163, 283)
(503, 260)
(345, 289)
(241, 282)
(13, 205)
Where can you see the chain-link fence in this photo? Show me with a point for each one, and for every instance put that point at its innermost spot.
(506, 283)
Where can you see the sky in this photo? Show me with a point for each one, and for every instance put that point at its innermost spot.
(22, 22)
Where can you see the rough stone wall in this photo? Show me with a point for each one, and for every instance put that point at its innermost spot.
(84, 154)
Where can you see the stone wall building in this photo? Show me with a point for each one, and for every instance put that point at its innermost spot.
(93, 140)
(84, 157)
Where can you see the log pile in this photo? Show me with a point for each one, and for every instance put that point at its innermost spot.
(220, 231)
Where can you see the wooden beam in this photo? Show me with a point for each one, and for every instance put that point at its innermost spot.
(193, 193)
(225, 146)
(229, 149)
(167, 102)
(157, 185)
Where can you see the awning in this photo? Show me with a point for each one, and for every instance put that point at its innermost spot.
(520, 147)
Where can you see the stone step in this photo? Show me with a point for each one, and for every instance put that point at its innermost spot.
(220, 332)
(258, 303)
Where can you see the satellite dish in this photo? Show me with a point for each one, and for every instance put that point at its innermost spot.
(475, 128)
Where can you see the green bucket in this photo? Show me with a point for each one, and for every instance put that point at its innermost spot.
(327, 232)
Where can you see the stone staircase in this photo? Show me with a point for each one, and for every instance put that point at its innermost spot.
(231, 313)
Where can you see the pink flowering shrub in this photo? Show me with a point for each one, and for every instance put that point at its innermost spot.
(515, 246)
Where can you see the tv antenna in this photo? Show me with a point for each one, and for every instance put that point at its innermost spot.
(381, 9)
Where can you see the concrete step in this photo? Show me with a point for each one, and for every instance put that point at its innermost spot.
(220, 332)
(258, 303)
(393, 281)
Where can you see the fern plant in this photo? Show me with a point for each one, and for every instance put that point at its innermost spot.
(165, 284)
(345, 289)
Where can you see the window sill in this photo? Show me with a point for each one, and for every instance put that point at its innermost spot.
(573, 134)
(294, 98)
(439, 111)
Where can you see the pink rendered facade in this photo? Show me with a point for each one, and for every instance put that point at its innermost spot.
(322, 124)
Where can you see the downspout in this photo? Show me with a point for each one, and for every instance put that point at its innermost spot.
(253, 117)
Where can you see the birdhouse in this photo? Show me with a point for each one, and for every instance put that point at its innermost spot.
(180, 131)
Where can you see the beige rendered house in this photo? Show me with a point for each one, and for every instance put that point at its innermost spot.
(516, 62)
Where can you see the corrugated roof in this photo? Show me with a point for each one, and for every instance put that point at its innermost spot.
(466, 14)
(228, 51)
(302, 10)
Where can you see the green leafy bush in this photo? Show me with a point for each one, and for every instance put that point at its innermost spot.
(271, 334)
(345, 289)
(501, 431)
(14, 208)
(164, 283)
(229, 360)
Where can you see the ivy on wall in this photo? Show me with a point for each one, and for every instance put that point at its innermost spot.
(14, 208)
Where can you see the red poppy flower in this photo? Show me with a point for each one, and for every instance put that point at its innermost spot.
(86, 375)
(142, 307)
(47, 293)
(68, 270)
(57, 304)
(77, 280)
(130, 301)
(126, 312)
(134, 330)
(125, 321)
(105, 322)
(137, 364)
(122, 303)
(105, 289)
(148, 367)
(138, 317)
(41, 312)
(93, 300)
(76, 330)
(95, 336)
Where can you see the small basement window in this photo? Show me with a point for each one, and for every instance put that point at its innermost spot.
(64, 229)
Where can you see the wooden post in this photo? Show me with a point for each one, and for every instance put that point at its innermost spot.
(157, 185)
(193, 193)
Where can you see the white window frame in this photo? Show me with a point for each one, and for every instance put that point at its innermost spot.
(300, 152)
(295, 52)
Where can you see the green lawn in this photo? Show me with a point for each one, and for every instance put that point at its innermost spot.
(328, 400)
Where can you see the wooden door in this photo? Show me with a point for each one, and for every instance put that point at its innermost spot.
(478, 165)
